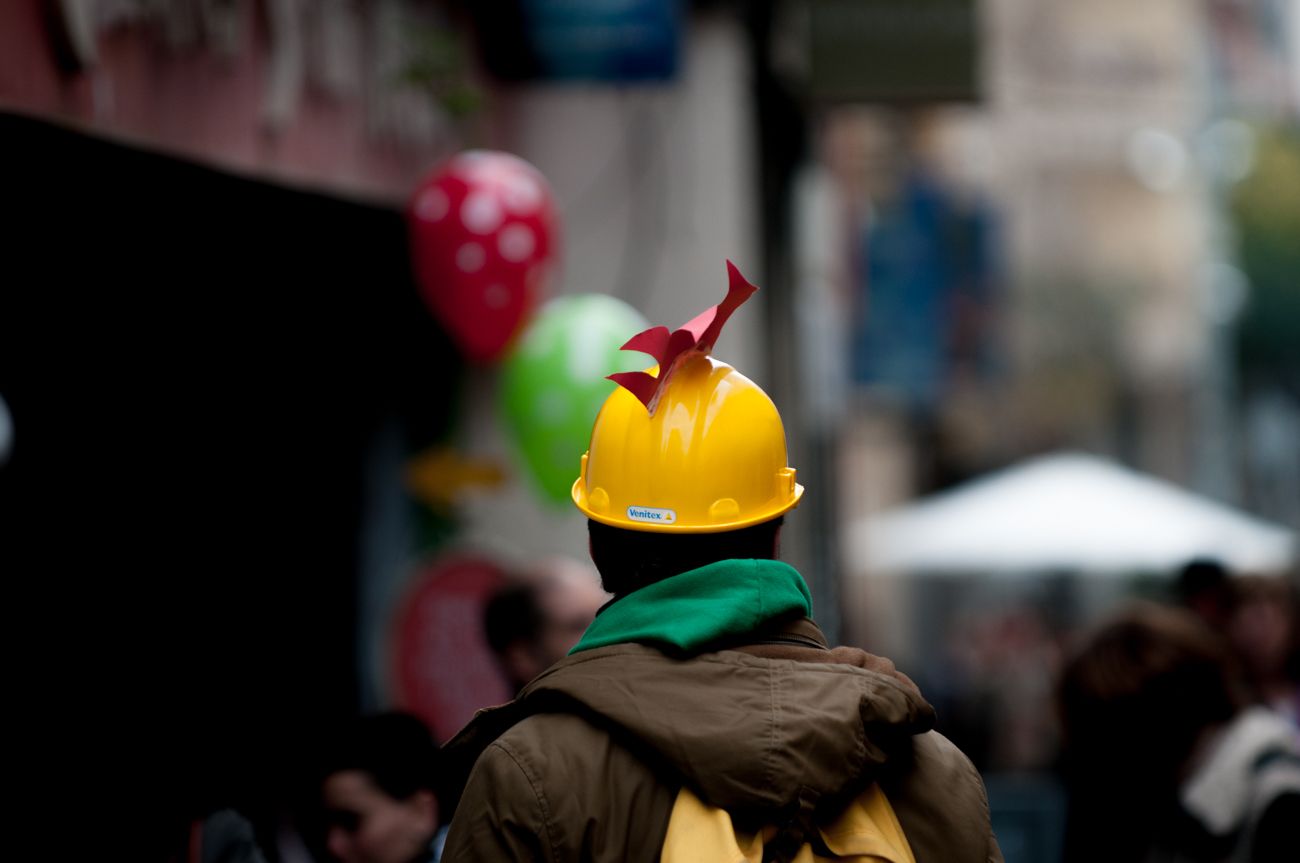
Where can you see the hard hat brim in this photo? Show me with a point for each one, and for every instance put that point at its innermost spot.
(579, 497)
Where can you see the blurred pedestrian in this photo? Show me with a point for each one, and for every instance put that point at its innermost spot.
(703, 715)
(1205, 588)
(533, 624)
(380, 792)
(1164, 760)
(1264, 631)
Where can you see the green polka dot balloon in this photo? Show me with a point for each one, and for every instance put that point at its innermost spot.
(553, 383)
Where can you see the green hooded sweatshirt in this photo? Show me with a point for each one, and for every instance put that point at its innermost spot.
(701, 606)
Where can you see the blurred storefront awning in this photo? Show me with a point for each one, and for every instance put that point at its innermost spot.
(1071, 512)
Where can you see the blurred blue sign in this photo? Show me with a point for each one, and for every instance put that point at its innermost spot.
(580, 40)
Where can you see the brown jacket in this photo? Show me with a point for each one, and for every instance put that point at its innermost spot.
(586, 763)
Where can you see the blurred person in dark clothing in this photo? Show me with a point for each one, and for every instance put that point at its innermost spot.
(1257, 615)
(1264, 634)
(1163, 758)
(380, 792)
(532, 625)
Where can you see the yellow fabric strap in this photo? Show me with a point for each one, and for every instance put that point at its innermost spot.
(866, 831)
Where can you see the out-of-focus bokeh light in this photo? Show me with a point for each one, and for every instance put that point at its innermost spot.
(1157, 159)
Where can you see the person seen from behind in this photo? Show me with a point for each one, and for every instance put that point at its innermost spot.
(703, 716)
(1164, 760)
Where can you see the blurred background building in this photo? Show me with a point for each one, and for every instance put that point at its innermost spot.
(985, 232)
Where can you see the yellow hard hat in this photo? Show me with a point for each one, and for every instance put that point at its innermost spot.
(704, 453)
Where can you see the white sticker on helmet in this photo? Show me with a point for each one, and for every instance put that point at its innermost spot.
(651, 515)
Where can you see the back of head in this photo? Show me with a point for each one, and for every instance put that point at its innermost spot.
(629, 560)
(511, 615)
(514, 623)
(1205, 588)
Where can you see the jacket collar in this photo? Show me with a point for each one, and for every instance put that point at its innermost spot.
(784, 722)
(702, 608)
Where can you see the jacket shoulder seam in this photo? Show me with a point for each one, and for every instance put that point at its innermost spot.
(537, 793)
(774, 720)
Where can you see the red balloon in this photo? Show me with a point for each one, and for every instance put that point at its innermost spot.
(483, 234)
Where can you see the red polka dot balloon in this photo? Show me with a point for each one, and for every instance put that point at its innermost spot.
(483, 233)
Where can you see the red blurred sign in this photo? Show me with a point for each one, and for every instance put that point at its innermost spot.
(443, 668)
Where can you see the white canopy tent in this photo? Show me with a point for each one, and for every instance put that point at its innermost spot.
(1070, 512)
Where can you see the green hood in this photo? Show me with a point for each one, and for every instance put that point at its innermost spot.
(701, 606)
